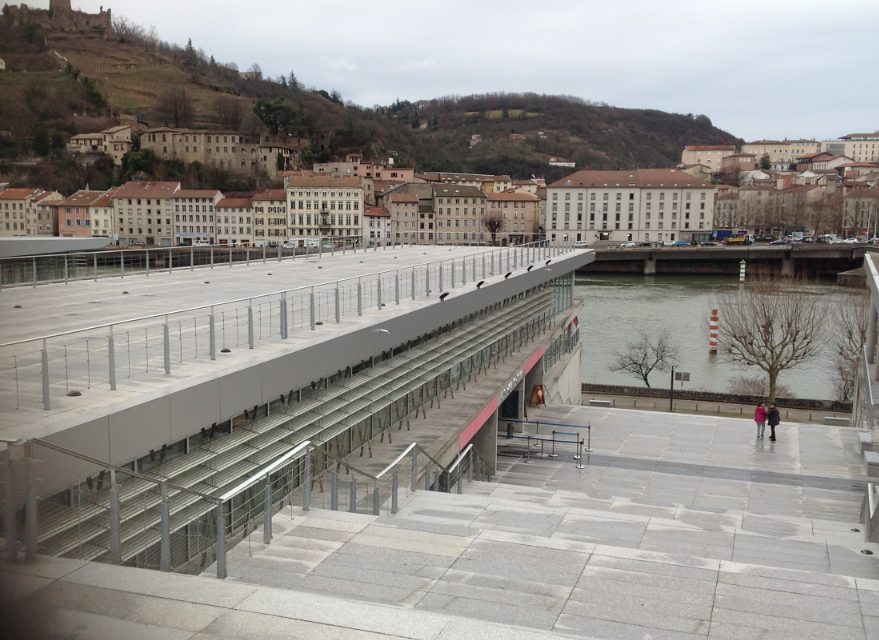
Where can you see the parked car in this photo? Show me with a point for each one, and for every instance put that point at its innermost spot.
(201, 243)
(681, 243)
(580, 244)
(851, 241)
(780, 241)
(628, 245)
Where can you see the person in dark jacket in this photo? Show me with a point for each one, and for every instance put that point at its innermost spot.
(773, 418)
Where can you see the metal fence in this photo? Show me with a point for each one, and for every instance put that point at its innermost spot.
(115, 515)
(38, 371)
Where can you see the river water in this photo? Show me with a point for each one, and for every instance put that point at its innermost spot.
(617, 307)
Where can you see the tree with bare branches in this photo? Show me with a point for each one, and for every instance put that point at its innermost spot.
(848, 322)
(647, 354)
(493, 222)
(175, 107)
(771, 326)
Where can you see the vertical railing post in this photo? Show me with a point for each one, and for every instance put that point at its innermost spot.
(394, 482)
(212, 335)
(146, 254)
(111, 357)
(30, 504)
(440, 276)
(282, 314)
(352, 495)
(306, 482)
(267, 511)
(170, 260)
(165, 532)
(379, 292)
(470, 467)
(166, 345)
(427, 280)
(34, 263)
(311, 310)
(44, 368)
(11, 516)
(230, 256)
(483, 266)
(338, 299)
(452, 277)
(375, 500)
(359, 297)
(334, 490)
(95, 264)
(66, 271)
(413, 283)
(427, 477)
(191, 258)
(212, 256)
(397, 286)
(413, 482)
(220, 546)
(250, 338)
(115, 531)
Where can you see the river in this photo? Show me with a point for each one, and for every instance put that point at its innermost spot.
(616, 308)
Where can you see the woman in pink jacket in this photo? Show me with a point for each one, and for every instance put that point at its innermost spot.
(760, 419)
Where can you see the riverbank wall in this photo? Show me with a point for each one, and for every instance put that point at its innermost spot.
(805, 404)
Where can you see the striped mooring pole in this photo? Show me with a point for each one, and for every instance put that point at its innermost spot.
(713, 323)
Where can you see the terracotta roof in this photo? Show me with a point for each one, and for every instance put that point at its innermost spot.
(403, 197)
(196, 193)
(147, 190)
(234, 203)
(866, 165)
(46, 195)
(82, 199)
(710, 147)
(872, 135)
(121, 127)
(381, 185)
(376, 212)
(323, 180)
(18, 194)
(666, 178)
(106, 200)
(271, 194)
(512, 196)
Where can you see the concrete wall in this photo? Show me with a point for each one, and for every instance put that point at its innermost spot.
(562, 383)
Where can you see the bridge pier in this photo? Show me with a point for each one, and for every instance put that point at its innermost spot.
(787, 267)
(650, 266)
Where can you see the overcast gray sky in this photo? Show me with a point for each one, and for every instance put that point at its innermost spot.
(757, 68)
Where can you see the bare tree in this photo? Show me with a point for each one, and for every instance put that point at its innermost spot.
(772, 327)
(849, 333)
(493, 222)
(175, 107)
(756, 386)
(647, 354)
(229, 111)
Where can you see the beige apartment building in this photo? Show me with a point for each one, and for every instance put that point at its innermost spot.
(224, 149)
(77, 217)
(270, 217)
(144, 213)
(356, 167)
(235, 222)
(195, 216)
(710, 156)
(646, 205)
(459, 214)
(403, 213)
(20, 214)
(862, 147)
(781, 153)
(114, 142)
(519, 214)
(103, 220)
(325, 205)
(861, 213)
(43, 217)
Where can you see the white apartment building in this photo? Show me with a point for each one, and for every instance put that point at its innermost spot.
(144, 213)
(195, 216)
(862, 147)
(235, 222)
(376, 226)
(710, 156)
(324, 205)
(643, 205)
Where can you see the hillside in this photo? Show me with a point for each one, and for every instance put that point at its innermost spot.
(61, 82)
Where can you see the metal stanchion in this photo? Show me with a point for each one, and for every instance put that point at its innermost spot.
(579, 456)
(552, 453)
(528, 451)
(589, 436)
(334, 490)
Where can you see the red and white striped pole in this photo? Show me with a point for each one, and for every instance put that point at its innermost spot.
(713, 323)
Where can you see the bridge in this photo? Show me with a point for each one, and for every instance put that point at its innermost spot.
(806, 260)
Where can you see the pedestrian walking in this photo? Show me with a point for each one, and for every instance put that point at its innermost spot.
(774, 419)
(760, 419)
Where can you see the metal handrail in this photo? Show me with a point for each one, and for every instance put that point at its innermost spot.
(262, 473)
(156, 479)
(238, 300)
(460, 458)
(548, 424)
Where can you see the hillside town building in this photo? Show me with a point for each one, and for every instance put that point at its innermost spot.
(646, 205)
(144, 213)
(324, 205)
(709, 156)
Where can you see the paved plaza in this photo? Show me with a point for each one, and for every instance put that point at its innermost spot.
(678, 527)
